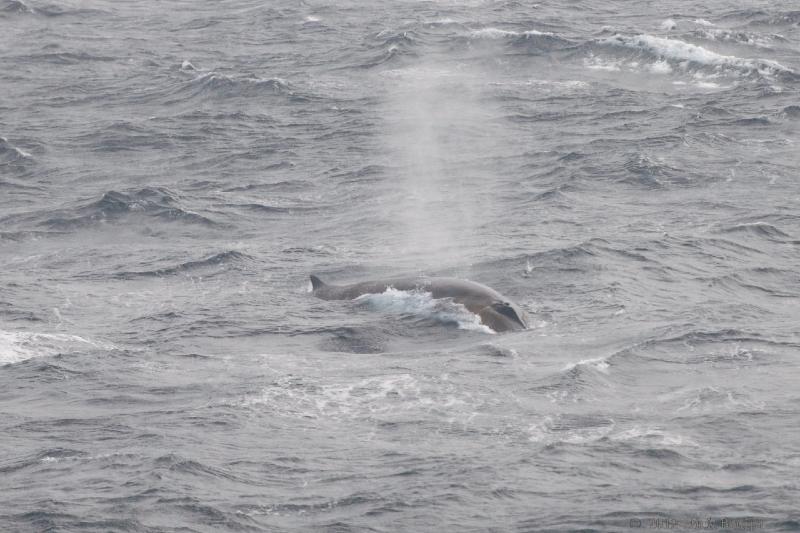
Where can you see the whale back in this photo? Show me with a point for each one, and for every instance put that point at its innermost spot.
(495, 310)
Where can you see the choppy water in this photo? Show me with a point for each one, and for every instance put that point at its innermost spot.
(171, 172)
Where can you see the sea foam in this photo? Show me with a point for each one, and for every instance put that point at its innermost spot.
(686, 54)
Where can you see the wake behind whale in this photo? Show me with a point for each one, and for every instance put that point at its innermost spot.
(495, 310)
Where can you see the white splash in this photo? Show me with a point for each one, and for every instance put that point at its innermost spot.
(660, 67)
(596, 63)
(423, 305)
(598, 363)
(17, 346)
(368, 397)
(669, 24)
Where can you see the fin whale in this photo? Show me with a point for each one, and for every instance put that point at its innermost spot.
(495, 310)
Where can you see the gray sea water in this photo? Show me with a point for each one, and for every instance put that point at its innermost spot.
(172, 172)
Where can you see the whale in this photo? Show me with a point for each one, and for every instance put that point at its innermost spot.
(495, 310)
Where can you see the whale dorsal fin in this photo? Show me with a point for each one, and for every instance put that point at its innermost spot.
(316, 283)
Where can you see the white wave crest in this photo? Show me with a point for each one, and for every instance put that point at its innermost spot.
(423, 305)
(4, 144)
(669, 24)
(598, 363)
(17, 346)
(751, 39)
(597, 63)
(497, 33)
(686, 53)
(654, 436)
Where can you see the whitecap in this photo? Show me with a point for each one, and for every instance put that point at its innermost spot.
(660, 67)
(598, 363)
(751, 39)
(17, 152)
(497, 33)
(18, 346)
(596, 63)
(669, 24)
(685, 53)
(384, 395)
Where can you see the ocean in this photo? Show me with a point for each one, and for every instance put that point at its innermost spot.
(171, 173)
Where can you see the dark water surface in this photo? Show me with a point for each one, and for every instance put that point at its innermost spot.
(171, 172)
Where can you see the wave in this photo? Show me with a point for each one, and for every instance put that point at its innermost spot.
(179, 464)
(714, 399)
(368, 397)
(762, 230)
(650, 172)
(682, 55)
(273, 209)
(387, 47)
(758, 17)
(598, 363)
(497, 33)
(570, 429)
(792, 111)
(534, 41)
(369, 504)
(12, 155)
(771, 282)
(215, 84)
(594, 254)
(279, 186)
(388, 38)
(64, 58)
(577, 382)
(126, 136)
(653, 436)
(15, 6)
(19, 236)
(193, 83)
(50, 455)
(113, 206)
(353, 340)
(570, 253)
(721, 347)
(739, 37)
(18, 346)
(227, 259)
(187, 66)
